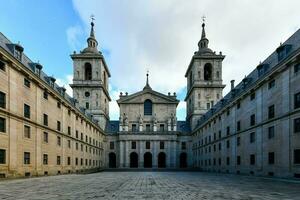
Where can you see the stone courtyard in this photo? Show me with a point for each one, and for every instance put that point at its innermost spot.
(149, 185)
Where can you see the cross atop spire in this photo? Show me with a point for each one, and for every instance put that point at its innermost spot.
(92, 34)
(203, 43)
(92, 42)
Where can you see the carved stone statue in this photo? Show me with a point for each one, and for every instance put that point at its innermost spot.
(154, 119)
(125, 121)
(140, 119)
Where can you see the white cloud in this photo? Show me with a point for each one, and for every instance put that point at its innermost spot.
(162, 36)
(65, 82)
(73, 34)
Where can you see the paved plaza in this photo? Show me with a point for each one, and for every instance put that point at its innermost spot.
(149, 185)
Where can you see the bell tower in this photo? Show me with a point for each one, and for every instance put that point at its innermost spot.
(90, 81)
(204, 81)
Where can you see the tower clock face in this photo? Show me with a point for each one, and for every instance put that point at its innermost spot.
(87, 94)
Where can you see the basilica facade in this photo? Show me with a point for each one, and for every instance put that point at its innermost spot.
(253, 130)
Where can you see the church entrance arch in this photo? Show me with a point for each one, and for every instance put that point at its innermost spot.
(161, 160)
(134, 160)
(112, 160)
(183, 160)
(147, 160)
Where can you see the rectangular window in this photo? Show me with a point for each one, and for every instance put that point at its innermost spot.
(271, 112)
(2, 66)
(134, 128)
(238, 126)
(147, 145)
(183, 145)
(58, 104)
(161, 145)
(252, 159)
(26, 158)
(297, 125)
(148, 127)
(2, 125)
(133, 145)
(238, 105)
(2, 156)
(111, 145)
(297, 68)
(271, 84)
(238, 160)
(26, 82)
(45, 119)
(271, 132)
(228, 161)
(69, 161)
(45, 137)
(58, 141)
(228, 130)
(161, 127)
(238, 141)
(271, 158)
(297, 156)
(252, 96)
(252, 120)
(45, 95)
(26, 111)
(69, 131)
(228, 144)
(2, 100)
(297, 100)
(58, 126)
(58, 160)
(26, 131)
(69, 144)
(45, 159)
(76, 134)
(252, 137)
(208, 106)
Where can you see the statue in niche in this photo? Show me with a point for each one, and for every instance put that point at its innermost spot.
(154, 119)
(140, 119)
(125, 120)
(121, 120)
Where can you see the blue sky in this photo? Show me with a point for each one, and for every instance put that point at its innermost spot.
(159, 36)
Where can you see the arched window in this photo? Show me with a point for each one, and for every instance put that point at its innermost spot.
(207, 72)
(87, 71)
(148, 107)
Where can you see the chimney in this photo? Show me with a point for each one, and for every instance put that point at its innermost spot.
(232, 84)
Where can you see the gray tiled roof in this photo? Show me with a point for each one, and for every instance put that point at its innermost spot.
(292, 44)
(8, 46)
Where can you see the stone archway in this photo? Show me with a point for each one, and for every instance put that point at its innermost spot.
(112, 160)
(161, 160)
(183, 160)
(147, 160)
(134, 160)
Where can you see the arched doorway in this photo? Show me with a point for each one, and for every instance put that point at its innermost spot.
(183, 160)
(161, 160)
(148, 160)
(134, 160)
(112, 163)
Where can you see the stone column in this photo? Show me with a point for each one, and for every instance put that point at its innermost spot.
(154, 161)
(126, 153)
(174, 150)
(141, 155)
(121, 154)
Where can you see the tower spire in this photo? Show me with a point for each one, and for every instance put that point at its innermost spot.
(91, 41)
(147, 86)
(203, 43)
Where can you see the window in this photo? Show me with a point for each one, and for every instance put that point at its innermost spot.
(26, 131)
(228, 161)
(2, 125)
(69, 144)
(69, 161)
(2, 156)
(238, 105)
(271, 112)
(147, 145)
(58, 104)
(26, 82)
(58, 126)
(252, 96)
(252, 137)
(45, 137)
(297, 68)
(58, 160)
(45, 159)
(45, 119)
(2, 66)
(183, 145)
(111, 145)
(297, 156)
(45, 95)
(228, 144)
(297, 100)
(69, 131)
(87, 94)
(238, 160)
(238, 141)
(238, 126)
(26, 158)
(133, 145)
(252, 159)
(271, 158)
(2, 100)
(148, 127)
(271, 132)
(26, 111)
(148, 107)
(207, 106)
(271, 84)
(228, 112)
(161, 145)
(220, 146)
(297, 125)
(207, 72)
(252, 120)
(161, 127)
(228, 130)
(76, 134)
(87, 105)
(58, 141)
(88, 71)
(133, 127)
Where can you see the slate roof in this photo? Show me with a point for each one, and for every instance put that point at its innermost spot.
(291, 45)
(8, 46)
